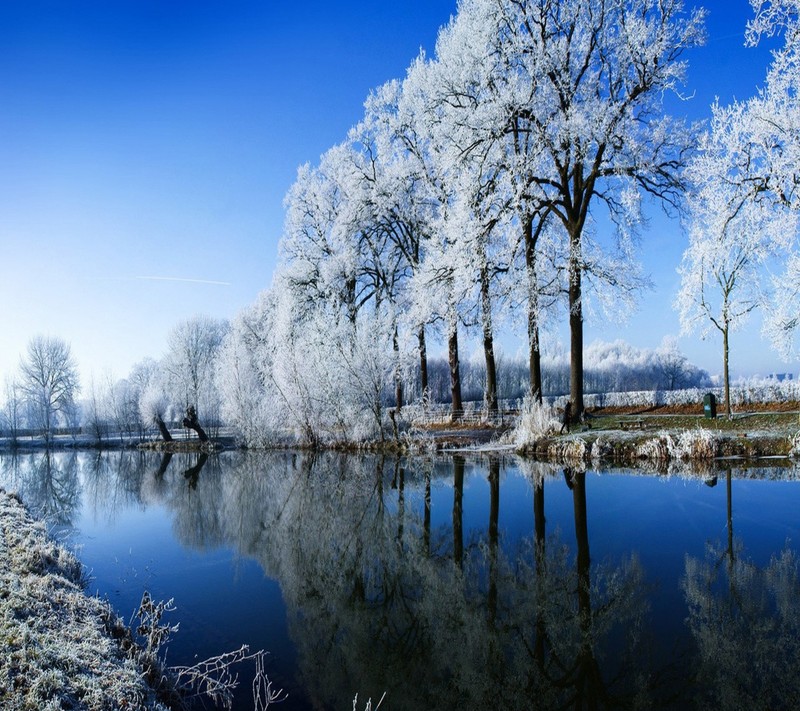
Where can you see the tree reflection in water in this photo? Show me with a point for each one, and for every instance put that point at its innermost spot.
(378, 601)
(48, 484)
(746, 621)
(392, 584)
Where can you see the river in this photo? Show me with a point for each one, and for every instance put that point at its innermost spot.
(447, 582)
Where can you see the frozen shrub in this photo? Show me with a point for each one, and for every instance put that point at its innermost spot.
(655, 449)
(694, 444)
(602, 448)
(536, 421)
(795, 442)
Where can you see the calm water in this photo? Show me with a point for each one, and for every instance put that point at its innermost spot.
(461, 583)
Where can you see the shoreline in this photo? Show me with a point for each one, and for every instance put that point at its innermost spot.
(62, 647)
(613, 436)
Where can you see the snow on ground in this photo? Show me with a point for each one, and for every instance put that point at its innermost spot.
(58, 648)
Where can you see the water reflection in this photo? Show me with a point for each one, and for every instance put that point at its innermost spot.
(745, 619)
(400, 575)
(47, 482)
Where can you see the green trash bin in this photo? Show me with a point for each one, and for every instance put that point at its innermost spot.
(710, 406)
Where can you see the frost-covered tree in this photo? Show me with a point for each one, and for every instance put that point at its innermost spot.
(401, 208)
(437, 292)
(338, 278)
(154, 403)
(587, 82)
(478, 206)
(773, 125)
(733, 227)
(95, 417)
(49, 382)
(673, 367)
(491, 161)
(719, 281)
(12, 407)
(190, 364)
(318, 258)
(244, 374)
(122, 405)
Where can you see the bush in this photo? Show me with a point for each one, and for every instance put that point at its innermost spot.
(536, 421)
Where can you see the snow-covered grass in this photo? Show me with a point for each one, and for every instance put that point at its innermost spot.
(61, 648)
(691, 445)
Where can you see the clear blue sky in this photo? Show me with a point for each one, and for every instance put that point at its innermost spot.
(145, 149)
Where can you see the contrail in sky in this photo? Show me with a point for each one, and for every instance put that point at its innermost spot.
(191, 281)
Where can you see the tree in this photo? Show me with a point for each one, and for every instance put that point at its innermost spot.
(773, 130)
(12, 407)
(437, 292)
(340, 274)
(151, 386)
(733, 230)
(49, 381)
(397, 215)
(190, 363)
(719, 285)
(490, 165)
(672, 366)
(585, 83)
(244, 373)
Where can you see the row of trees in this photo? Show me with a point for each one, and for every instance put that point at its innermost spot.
(468, 194)
(608, 367)
(43, 395)
(502, 180)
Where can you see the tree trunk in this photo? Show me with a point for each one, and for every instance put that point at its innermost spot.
(729, 498)
(458, 510)
(494, 538)
(166, 458)
(456, 407)
(576, 331)
(426, 520)
(192, 423)
(490, 396)
(162, 428)
(398, 377)
(423, 366)
(539, 555)
(534, 353)
(725, 372)
(589, 685)
(583, 560)
(192, 474)
(535, 361)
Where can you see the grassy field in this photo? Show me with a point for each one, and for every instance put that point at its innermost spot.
(777, 422)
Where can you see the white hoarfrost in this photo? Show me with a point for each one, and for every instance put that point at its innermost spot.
(536, 421)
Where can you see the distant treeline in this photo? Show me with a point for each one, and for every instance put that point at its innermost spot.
(609, 368)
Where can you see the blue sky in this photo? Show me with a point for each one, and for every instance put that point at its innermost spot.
(145, 149)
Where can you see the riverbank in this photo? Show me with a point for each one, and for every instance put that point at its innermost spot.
(61, 648)
(629, 436)
(614, 435)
